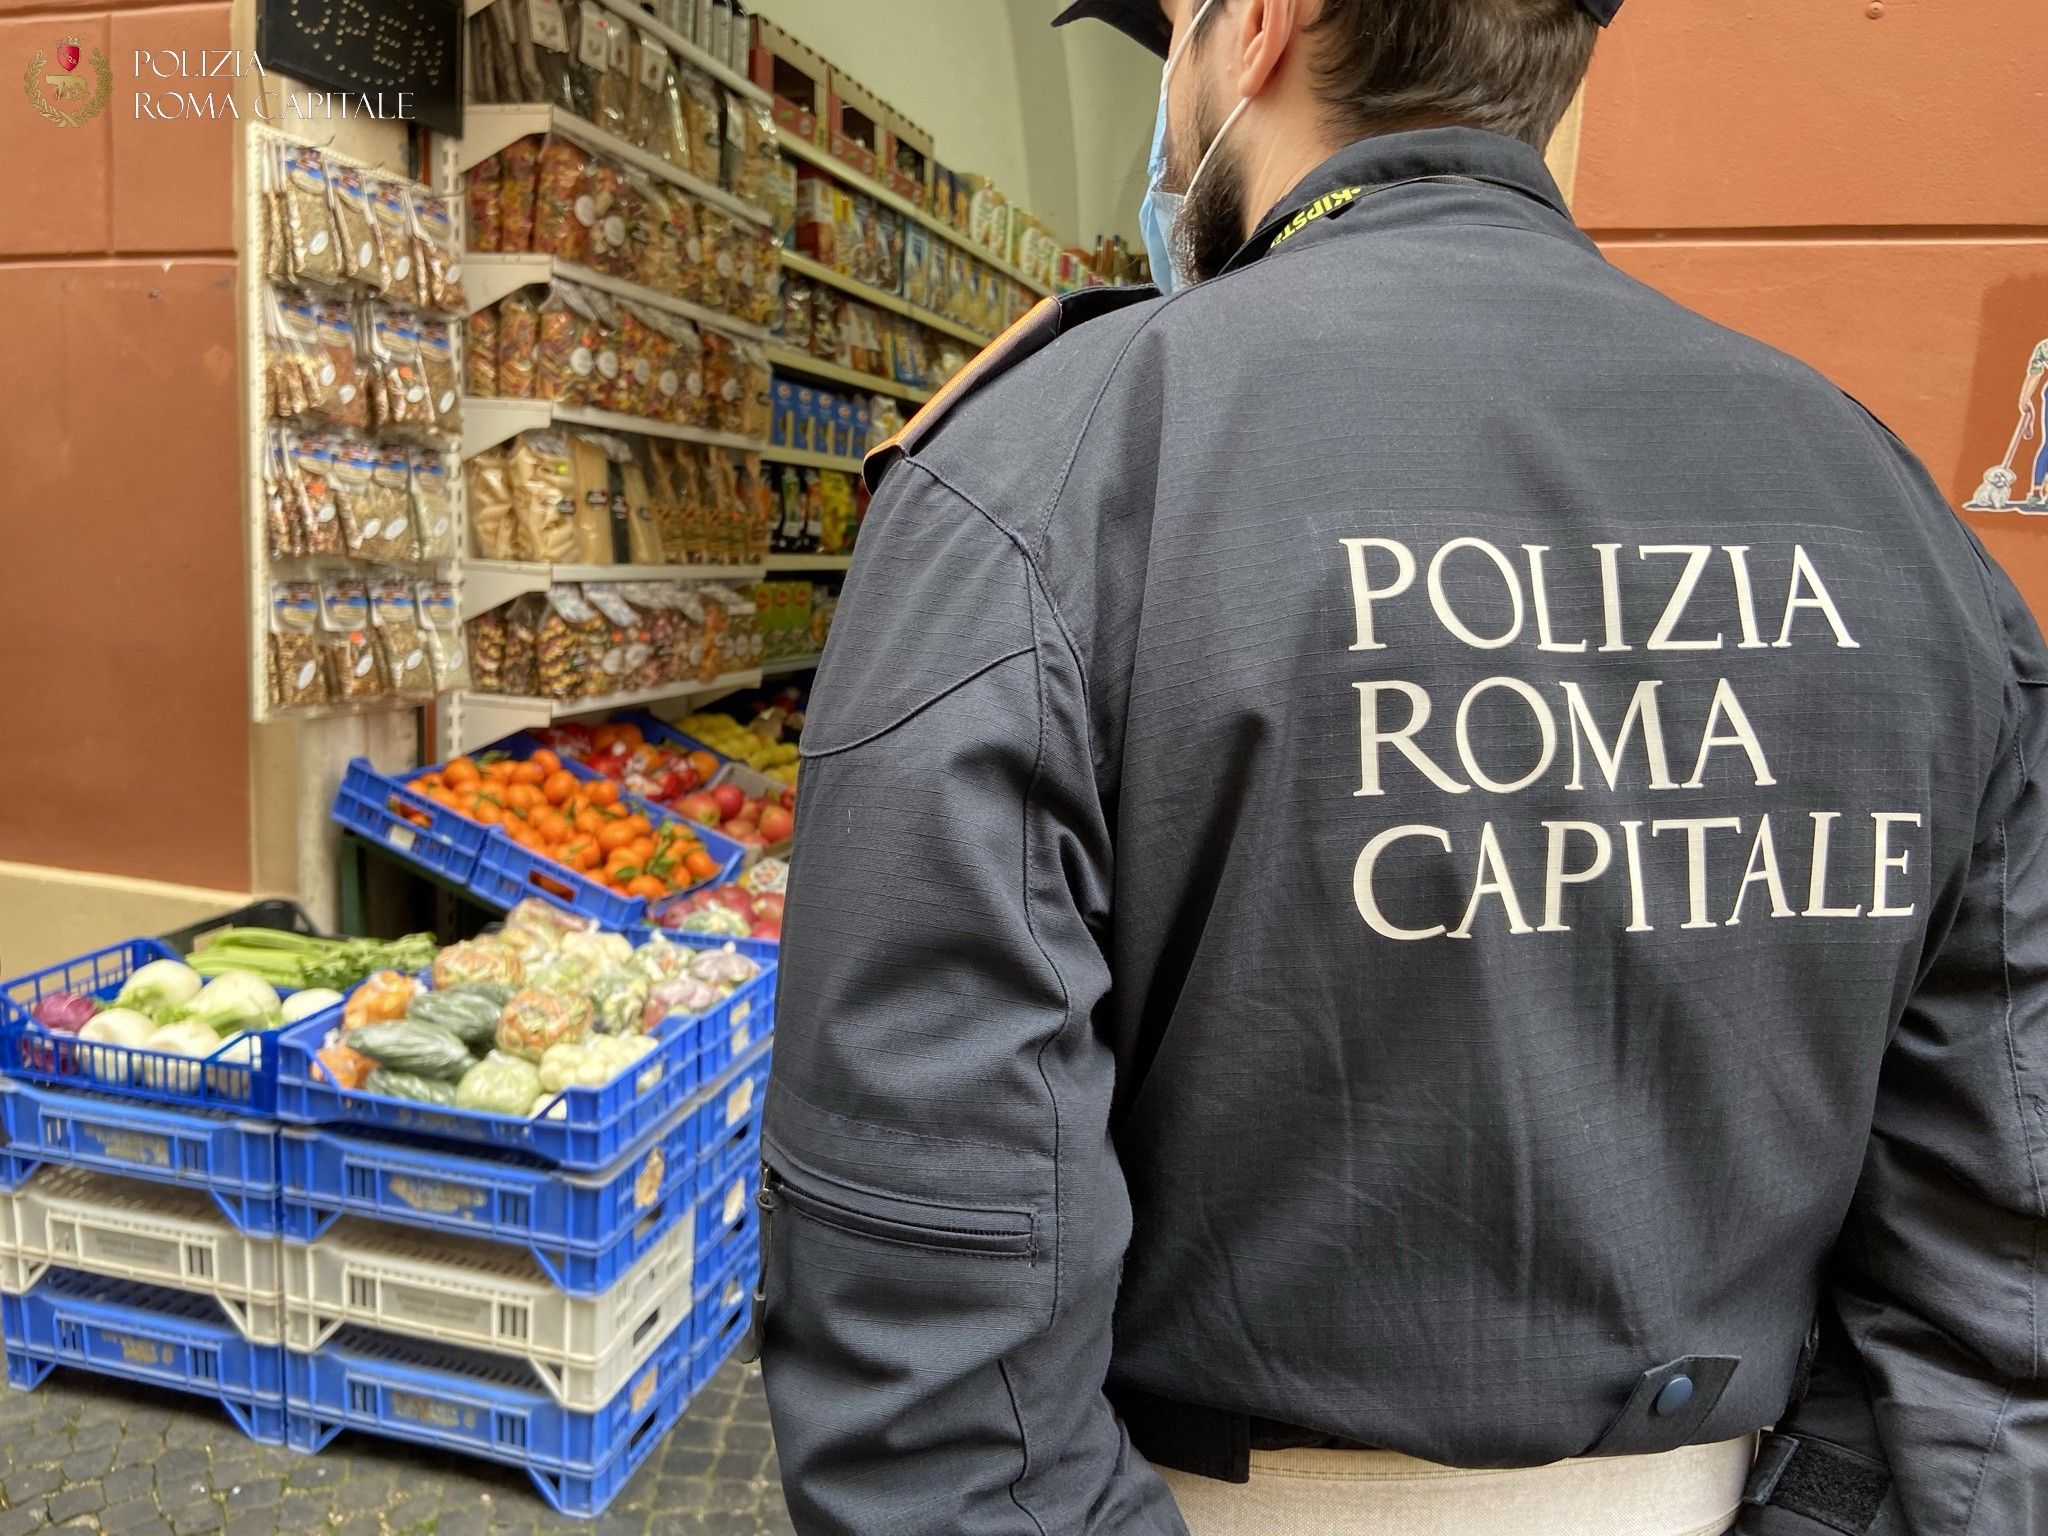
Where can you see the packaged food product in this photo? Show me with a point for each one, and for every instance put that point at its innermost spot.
(441, 626)
(643, 532)
(758, 509)
(718, 257)
(433, 506)
(620, 998)
(476, 960)
(545, 63)
(310, 461)
(296, 677)
(534, 1020)
(561, 215)
(355, 225)
(659, 235)
(347, 652)
(398, 382)
(401, 647)
(610, 106)
(348, 1069)
(590, 57)
(622, 647)
(480, 352)
(591, 468)
(817, 230)
(500, 1084)
(312, 249)
(522, 638)
(607, 195)
(703, 128)
(518, 189)
(413, 1087)
(437, 247)
(570, 339)
(352, 478)
(645, 104)
(283, 535)
(395, 538)
(391, 218)
(757, 286)
(643, 350)
(543, 509)
(569, 648)
(490, 506)
(487, 651)
(486, 211)
(436, 340)
(518, 344)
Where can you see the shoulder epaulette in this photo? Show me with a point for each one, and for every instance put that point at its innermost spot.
(1047, 320)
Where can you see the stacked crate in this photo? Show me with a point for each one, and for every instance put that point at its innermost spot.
(546, 1295)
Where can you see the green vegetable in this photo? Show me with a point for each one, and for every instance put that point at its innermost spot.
(591, 1063)
(472, 1019)
(497, 993)
(298, 960)
(123, 1027)
(426, 1050)
(188, 1037)
(159, 988)
(499, 1085)
(236, 1001)
(303, 1005)
(409, 1085)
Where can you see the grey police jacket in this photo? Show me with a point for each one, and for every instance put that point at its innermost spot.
(1411, 847)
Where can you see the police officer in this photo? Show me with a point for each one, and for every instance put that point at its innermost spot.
(1420, 901)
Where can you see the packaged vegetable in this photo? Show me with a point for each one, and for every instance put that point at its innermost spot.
(349, 1069)
(303, 1005)
(469, 1017)
(476, 960)
(533, 1020)
(499, 1085)
(159, 987)
(679, 995)
(604, 950)
(379, 1000)
(393, 1084)
(558, 971)
(542, 924)
(496, 993)
(716, 920)
(620, 998)
(725, 968)
(592, 1063)
(429, 1050)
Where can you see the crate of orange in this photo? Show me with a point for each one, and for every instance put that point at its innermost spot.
(411, 825)
(561, 831)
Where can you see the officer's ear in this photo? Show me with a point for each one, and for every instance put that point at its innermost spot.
(1258, 35)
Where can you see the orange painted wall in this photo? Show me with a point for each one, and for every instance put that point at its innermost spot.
(122, 589)
(1863, 183)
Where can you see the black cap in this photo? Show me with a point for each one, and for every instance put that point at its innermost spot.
(1145, 23)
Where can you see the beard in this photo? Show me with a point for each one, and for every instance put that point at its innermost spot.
(1211, 224)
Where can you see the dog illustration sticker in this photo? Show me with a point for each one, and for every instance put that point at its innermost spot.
(62, 95)
(1995, 493)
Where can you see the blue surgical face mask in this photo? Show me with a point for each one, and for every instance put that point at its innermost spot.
(1159, 215)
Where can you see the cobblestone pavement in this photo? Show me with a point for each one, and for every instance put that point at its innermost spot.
(85, 1453)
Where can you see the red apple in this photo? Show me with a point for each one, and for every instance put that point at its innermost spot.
(768, 928)
(789, 798)
(777, 824)
(746, 834)
(731, 800)
(700, 807)
(735, 897)
(769, 904)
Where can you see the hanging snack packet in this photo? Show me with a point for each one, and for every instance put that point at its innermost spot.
(608, 195)
(391, 497)
(518, 188)
(561, 217)
(589, 58)
(392, 222)
(314, 254)
(610, 107)
(441, 625)
(437, 247)
(401, 647)
(355, 225)
(702, 135)
(353, 478)
(543, 499)
(545, 66)
(437, 364)
(296, 677)
(311, 460)
(433, 506)
(283, 535)
(568, 651)
(490, 506)
(347, 652)
(646, 105)
(487, 652)
(522, 639)
(340, 396)
(518, 345)
(480, 352)
(486, 212)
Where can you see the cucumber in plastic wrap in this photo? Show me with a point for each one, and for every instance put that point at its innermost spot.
(410, 1086)
(471, 1017)
(424, 1050)
(496, 993)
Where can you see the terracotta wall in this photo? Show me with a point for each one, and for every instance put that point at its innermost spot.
(1863, 183)
(122, 608)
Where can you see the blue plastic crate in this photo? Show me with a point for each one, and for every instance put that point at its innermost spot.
(30, 1053)
(234, 1160)
(586, 1231)
(717, 1332)
(381, 810)
(143, 1333)
(738, 1268)
(729, 1115)
(763, 950)
(594, 1127)
(724, 1209)
(713, 1263)
(488, 1406)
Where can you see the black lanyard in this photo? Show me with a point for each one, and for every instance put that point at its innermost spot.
(1288, 223)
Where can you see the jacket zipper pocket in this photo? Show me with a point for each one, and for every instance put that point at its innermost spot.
(984, 1233)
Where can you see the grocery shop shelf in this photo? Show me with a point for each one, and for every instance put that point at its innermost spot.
(792, 664)
(488, 422)
(811, 460)
(818, 272)
(489, 583)
(487, 278)
(810, 562)
(789, 360)
(832, 166)
(486, 130)
(681, 47)
(487, 717)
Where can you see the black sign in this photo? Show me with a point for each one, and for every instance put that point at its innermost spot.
(375, 49)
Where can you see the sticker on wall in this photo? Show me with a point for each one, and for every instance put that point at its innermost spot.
(2003, 489)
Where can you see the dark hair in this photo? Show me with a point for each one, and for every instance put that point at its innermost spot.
(1511, 66)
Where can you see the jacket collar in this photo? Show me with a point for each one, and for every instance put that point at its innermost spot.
(1386, 160)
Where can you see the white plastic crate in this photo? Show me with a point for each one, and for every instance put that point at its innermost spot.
(73, 1218)
(488, 1296)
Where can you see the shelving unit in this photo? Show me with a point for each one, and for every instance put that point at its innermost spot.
(791, 664)
(789, 360)
(681, 47)
(482, 718)
(818, 272)
(811, 154)
(806, 460)
(487, 130)
(489, 278)
(493, 582)
(488, 422)
(809, 563)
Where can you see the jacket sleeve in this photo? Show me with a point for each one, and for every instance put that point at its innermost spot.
(1928, 1412)
(945, 1217)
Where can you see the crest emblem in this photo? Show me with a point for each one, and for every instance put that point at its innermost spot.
(63, 97)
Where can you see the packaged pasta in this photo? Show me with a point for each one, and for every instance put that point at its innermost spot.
(392, 219)
(436, 339)
(570, 337)
(569, 648)
(559, 227)
(645, 105)
(398, 383)
(543, 490)
(518, 190)
(486, 211)
(311, 460)
(518, 345)
(609, 194)
(355, 224)
(703, 138)
(480, 352)
(490, 506)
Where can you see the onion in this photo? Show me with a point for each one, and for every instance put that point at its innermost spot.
(65, 1013)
